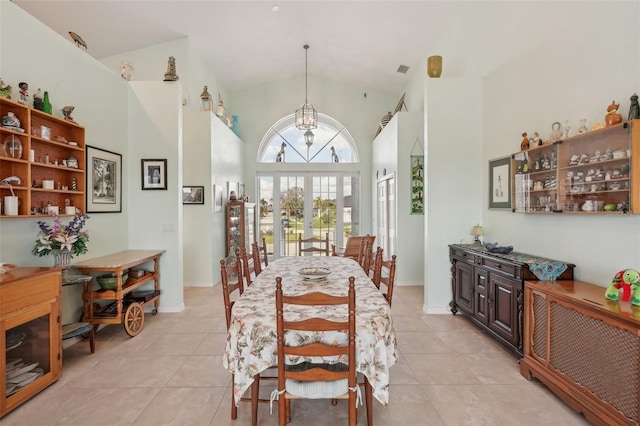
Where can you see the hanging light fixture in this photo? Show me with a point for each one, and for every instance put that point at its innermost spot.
(306, 115)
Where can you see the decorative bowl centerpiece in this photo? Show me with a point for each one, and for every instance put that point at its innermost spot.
(495, 248)
(110, 281)
(314, 273)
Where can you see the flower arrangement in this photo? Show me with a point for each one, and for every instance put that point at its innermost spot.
(59, 238)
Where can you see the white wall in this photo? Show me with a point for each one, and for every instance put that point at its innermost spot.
(155, 222)
(453, 178)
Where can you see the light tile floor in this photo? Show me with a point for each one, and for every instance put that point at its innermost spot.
(449, 373)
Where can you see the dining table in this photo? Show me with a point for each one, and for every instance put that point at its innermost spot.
(251, 346)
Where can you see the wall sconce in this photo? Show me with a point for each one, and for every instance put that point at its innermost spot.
(434, 66)
(477, 232)
(206, 100)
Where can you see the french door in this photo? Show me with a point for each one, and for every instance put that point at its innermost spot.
(308, 205)
(386, 217)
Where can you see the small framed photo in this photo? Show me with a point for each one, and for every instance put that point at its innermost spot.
(104, 181)
(193, 195)
(500, 183)
(45, 132)
(154, 174)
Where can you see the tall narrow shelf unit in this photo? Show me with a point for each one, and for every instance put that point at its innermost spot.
(54, 142)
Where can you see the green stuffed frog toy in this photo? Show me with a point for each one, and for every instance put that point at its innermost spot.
(627, 280)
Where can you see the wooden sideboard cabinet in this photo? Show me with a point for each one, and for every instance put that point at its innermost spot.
(585, 348)
(488, 288)
(30, 333)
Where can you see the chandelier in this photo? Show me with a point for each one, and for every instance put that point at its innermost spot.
(306, 115)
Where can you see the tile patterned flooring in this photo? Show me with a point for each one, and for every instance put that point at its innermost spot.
(449, 373)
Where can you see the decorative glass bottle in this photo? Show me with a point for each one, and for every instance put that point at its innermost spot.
(47, 104)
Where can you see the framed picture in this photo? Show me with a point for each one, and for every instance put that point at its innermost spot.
(217, 198)
(154, 174)
(193, 195)
(104, 181)
(417, 184)
(500, 183)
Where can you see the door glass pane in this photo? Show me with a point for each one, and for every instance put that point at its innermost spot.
(350, 209)
(291, 213)
(265, 212)
(324, 207)
(27, 353)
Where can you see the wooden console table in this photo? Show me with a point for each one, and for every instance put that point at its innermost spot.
(585, 348)
(125, 307)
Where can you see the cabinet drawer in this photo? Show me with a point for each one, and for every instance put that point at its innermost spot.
(503, 267)
(465, 255)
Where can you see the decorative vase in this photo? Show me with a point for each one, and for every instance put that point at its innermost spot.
(62, 259)
(434, 66)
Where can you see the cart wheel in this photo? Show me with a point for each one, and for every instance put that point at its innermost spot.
(133, 319)
(155, 311)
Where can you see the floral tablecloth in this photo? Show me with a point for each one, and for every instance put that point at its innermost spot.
(251, 343)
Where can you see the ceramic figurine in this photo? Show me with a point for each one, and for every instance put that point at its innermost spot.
(634, 108)
(24, 93)
(38, 101)
(556, 132)
(537, 140)
(5, 91)
(612, 118)
(171, 75)
(525, 142)
(77, 39)
(334, 156)
(280, 156)
(66, 111)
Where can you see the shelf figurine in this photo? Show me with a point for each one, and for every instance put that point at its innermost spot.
(5, 91)
(634, 108)
(38, 100)
(24, 92)
(524, 146)
(612, 117)
(627, 280)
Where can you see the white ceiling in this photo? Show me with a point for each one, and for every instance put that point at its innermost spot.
(247, 43)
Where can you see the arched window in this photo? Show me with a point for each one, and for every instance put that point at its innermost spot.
(329, 143)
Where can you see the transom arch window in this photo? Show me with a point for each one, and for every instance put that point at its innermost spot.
(331, 143)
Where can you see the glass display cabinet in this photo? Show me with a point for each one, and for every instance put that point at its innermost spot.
(241, 226)
(589, 173)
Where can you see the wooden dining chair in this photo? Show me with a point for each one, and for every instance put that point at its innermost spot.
(317, 245)
(310, 379)
(232, 287)
(264, 254)
(375, 265)
(248, 270)
(365, 259)
(255, 255)
(354, 248)
(386, 275)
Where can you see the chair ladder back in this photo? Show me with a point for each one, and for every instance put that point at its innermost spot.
(365, 261)
(316, 372)
(323, 245)
(265, 256)
(227, 273)
(374, 270)
(255, 254)
(388, 276)
(247, 266)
